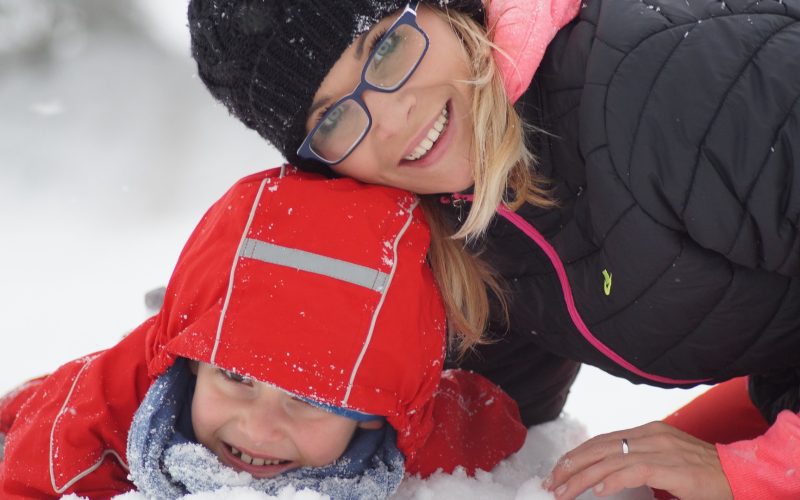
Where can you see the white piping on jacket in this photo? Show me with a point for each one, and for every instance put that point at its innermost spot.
(367, 341)
(103, 456)
(233, 269)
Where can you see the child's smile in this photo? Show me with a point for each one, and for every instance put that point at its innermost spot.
(258, 465)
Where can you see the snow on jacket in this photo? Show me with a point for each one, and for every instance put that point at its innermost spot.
(674, 149)
(370, 337)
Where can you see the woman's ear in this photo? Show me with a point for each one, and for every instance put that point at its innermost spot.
(371, 425)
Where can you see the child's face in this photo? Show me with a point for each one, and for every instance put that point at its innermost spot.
(254, 427)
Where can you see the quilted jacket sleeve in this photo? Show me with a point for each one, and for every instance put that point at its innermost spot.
(765, 467)
(774, 392)
(702, 119)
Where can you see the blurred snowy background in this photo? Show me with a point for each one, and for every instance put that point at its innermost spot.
(111, 150)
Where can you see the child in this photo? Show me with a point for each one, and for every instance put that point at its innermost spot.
(300, 342)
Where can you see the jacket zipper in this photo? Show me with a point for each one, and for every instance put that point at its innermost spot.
(569, 300)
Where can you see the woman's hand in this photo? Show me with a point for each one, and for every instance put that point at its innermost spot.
(659, 456)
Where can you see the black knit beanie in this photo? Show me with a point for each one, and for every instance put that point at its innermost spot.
(265, 59)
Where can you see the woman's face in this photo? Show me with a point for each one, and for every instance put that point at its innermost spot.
(395, 151)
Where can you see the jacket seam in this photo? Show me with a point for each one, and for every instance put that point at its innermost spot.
(379, 307)
(761, 329)
(626, 55)
(695, 328)
(746, 64)
(656, 79)
(646, 290)
(103, 455)
(746, 201)
(574, 314)
(232, 274)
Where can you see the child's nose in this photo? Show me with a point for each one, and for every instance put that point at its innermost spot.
(263, 424)
(390, 111)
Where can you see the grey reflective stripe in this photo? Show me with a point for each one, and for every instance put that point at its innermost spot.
(315, 263)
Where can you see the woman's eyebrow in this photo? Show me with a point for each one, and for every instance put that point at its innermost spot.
(359, 54)
(318, 104)
(361, 41)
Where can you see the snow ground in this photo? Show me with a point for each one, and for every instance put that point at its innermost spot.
(110, 151)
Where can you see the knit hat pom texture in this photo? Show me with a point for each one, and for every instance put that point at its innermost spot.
(265, 59)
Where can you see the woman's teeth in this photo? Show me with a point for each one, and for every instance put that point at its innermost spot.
(433, 135)
(244, 457)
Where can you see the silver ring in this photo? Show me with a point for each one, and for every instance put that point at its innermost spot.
(625, 448)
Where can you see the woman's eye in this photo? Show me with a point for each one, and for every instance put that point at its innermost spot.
(331, 121)
(235, 377)
(386, 48)
(378, 38)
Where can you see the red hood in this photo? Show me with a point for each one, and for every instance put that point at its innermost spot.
(318, 286)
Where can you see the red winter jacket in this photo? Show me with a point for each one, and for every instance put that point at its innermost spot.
(377, 350)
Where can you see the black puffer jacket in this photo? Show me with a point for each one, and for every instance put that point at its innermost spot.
(675, 151)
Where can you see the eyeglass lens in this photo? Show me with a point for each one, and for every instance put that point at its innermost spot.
(392, 62)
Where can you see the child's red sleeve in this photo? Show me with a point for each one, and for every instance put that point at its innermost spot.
(10, 403)
(476, 425)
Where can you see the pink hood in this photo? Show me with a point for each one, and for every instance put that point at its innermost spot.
(522, 30)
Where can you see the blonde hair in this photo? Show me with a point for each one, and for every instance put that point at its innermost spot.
(503, 173)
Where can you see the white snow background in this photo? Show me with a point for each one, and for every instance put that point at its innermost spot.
(110, 152)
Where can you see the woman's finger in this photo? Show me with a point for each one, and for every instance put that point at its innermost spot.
(640, 472)
(595, 474)
(692, 477)
(593, 450)
(672, 461)
(652, 437)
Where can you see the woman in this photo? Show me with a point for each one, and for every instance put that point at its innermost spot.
(286, 49)
(654, 235)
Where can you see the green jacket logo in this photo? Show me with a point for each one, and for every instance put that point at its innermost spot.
(606, 282)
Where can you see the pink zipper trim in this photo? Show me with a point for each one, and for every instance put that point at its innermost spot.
(555, 260)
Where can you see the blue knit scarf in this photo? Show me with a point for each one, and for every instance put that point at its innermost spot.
(166, 463)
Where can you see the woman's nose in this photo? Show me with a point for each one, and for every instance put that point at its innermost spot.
(391, 111)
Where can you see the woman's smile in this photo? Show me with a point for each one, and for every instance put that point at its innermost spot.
(428, 138)
(421, 133)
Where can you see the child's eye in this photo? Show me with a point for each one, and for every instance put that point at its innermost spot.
(235, 377)
(300, 408)
(302, 401)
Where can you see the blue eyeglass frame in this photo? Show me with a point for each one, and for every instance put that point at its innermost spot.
(409, 17)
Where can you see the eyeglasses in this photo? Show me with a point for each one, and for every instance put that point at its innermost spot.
(389, 66)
